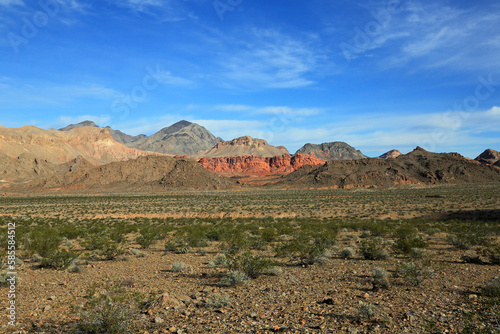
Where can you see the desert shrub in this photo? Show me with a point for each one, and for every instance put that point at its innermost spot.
(43, 241)
(374, 249)
(307, 249)
(4, 276)
(418, 253)
(347, 253)
(406, 244)
(217, 300)
(219, 261)
(109, 309)
(146, 238)
(103, 247)
(58, 260)
(235, 278)
(178, 267)
(493, 253)
(252, 266)
(380, 279)
(414, 273)
(467, 240)
(366, 311)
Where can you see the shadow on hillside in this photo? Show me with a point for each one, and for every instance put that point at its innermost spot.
(481, 215)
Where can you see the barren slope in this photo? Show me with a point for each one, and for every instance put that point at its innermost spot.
(141, 174)
(244, 146)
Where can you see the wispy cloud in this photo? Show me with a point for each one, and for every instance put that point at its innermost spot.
(270, 59)
(11, 3)
(50, 94)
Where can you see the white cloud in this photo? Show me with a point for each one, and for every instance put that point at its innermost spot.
(270, 59)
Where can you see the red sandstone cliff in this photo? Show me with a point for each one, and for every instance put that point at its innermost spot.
(253, 165)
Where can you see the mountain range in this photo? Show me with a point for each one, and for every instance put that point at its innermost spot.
(86, 157)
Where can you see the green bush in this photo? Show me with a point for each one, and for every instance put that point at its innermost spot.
(43, 241)
(380, 279)
(414, 273)
(58, 260)
(304, 249)
(374, 249)
(406, 244)
(235, 278)
(252, 266)
(347, 253)
(109, 309)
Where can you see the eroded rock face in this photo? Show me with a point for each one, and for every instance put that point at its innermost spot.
(489, 157)
(244, 146)
(253, 165)
(332, 151)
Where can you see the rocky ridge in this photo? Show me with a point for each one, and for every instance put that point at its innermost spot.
(244, 146)
(416, 167)
(332, 151)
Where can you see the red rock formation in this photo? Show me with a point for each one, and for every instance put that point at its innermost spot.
(253, 165)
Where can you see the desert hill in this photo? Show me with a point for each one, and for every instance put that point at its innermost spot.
(244, 146)
(390, 155)
(136, 175)
(117, 135)
(490, 157)
(416, 167)
(30, 152)
(332, 151)
(253, 165)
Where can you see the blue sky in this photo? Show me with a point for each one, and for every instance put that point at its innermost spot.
(376, 74)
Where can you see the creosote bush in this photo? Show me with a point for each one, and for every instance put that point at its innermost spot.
(178, 267)
(374, 249)
(380, 279)
(414, 273)
(235, 278)
(109, 309)
(347, 253)
(217, 300)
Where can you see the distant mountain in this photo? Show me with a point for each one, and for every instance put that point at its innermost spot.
(416, 167)
(30, 152)
(79, 125)
(490, 157)
(390, 155)
(244, 146)
(332, 151)
(181, 138)
(119, 136)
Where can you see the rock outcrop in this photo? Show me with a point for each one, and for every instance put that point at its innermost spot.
(392, 154)
(244, 146)
(253, 165)
(332, 151)
(489, 157)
